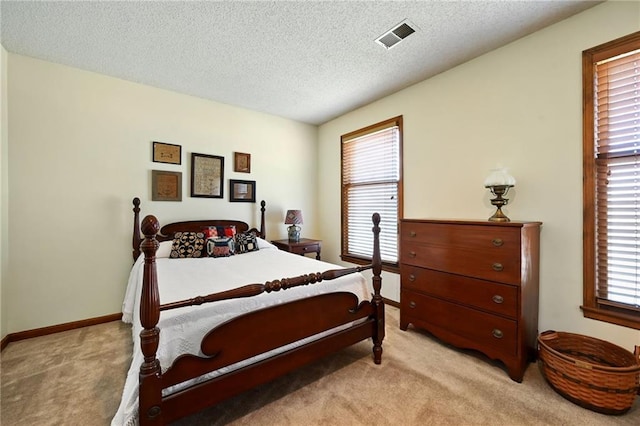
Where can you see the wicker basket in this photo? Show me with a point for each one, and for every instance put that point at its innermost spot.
(592, 373)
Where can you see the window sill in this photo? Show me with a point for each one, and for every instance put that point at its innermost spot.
(612, 316)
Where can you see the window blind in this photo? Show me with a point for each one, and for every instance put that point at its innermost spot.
(370, 183)
(617, 162)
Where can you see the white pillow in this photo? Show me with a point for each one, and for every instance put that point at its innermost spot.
(164, 250)
(264, 244)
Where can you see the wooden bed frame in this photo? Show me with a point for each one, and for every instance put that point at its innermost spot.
(248, 335)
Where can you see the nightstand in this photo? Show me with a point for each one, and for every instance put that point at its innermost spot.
(302, 247)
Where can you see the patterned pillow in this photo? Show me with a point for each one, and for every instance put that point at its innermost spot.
(210, 232)
(187, 244)
(220, 247)
(220, 231)
(246, 242)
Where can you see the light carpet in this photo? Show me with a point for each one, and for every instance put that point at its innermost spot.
(76, 378)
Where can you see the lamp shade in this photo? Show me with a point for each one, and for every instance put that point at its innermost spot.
(293, 217)
(499, 177)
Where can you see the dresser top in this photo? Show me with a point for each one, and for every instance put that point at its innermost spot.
(513, 223)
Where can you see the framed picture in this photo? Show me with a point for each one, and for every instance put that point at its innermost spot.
(167, 153)
(242, 191)
(207, 174)
(241, 162)
(166, 186)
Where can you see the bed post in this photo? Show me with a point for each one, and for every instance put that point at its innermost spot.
(262, 230)
(150, 384)
(378, 303)
(136, 229)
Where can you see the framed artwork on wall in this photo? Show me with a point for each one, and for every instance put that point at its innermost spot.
(166, 186)
(242, 162)
(207, 175)
(242, 191)
(167, 153)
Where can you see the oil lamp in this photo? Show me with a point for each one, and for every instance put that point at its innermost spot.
(499, 182)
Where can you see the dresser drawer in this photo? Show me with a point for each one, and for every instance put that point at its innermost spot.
(467, 236)
(487, 330)
(502, 266)
(302, 249)
(486, 295)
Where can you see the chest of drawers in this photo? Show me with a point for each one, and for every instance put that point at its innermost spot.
(473, 285)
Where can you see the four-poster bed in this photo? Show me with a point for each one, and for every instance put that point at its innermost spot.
(263, 327)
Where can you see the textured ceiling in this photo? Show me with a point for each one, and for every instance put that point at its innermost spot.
(310, 61)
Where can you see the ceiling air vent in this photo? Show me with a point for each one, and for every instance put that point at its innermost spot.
(395, 35)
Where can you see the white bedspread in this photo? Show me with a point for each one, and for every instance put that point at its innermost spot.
(181, 330)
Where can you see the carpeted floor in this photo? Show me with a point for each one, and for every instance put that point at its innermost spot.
(76, 378)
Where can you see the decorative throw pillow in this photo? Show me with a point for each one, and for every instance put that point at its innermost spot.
(227, 231)
(220, 247)
(246, 242)
(187, 244)
(219, 231)
(210, 232)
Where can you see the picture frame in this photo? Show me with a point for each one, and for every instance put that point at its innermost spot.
(242, 191)
(242, 162)
(166, 186)
(207, 175)
(166, 153)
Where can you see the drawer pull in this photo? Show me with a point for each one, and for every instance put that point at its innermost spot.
(497, 267)
(497, 333)
(412, 277)
(497, 298)
(497, 242)
(412, 304)
(412, 234)
(412, 254)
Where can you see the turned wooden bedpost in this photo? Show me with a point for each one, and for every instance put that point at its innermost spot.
(150, 385)
(262, 229)
(378, 303)
(136, 229)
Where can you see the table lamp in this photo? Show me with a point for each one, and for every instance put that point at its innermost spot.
(293, 218)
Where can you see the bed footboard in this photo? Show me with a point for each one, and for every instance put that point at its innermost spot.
(262, 330)
(268, 329)
(218, 389)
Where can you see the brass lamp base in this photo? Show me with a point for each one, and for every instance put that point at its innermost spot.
(498, 216)
(499, 191)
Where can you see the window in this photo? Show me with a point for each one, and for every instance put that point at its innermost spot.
(611, 165)
(372, 182)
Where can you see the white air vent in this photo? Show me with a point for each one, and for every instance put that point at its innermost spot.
(396, 35)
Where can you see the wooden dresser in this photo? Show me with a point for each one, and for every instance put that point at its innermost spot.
(473, 285)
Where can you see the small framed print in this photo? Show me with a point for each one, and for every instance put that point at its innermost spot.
(242, 191)
(166, 186)
(167, 153)
(207, 174)
(242, 162)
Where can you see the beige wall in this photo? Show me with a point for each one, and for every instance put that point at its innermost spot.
(80, 147)
(4, 163)
(519, 106)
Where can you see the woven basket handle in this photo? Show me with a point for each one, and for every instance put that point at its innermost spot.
(548, 335)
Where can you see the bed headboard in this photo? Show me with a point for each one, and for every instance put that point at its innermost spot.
(167, 231)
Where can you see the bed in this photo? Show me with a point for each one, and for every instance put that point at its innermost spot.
(206, 329)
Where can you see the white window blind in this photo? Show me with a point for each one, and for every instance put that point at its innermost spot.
(617, 161)
(370, 183)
